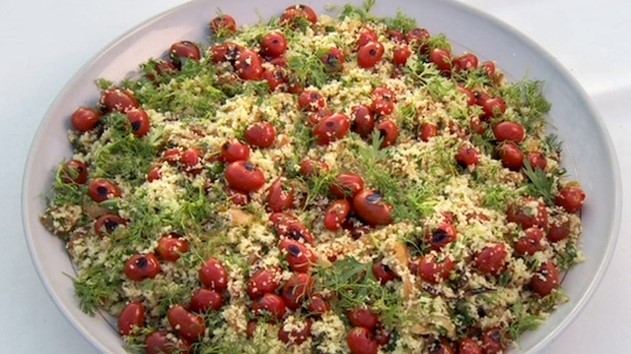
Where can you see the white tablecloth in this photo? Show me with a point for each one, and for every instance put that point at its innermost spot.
(43, 43)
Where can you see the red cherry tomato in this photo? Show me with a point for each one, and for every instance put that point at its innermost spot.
(223, 23)
(310, 168)
(294, 14)
(171, 156)
(361, 317)
(118, 100)
(382, 336)
(372, 208)
(331, 128)
(311, 101)
(187, 324)
(570, 198)
(276, 78)
(363, 121)
(366, 35)
(142, 266)
(383, 100)
(132, 316)
(191, 160)
(278, 199)
(489, 68)
(184, 50)
(418, 38)
(316, 117)
(537, 161)
(492, 341)
(213, 275)
(559, 231)
(102, 189)
(163, 342)
(74, 172)
(469, 346)
(270, 304)
(546, 280)
(297, 289)
(333, 60)
(238, 198)
(85, 119)
(264, 281)
(244, 176)
(442, 347)
(107, 224)
(234, 150)
(478, 126)
(383, 273)
(441, 58)
(471, 100)
(273, 45)
(154, 174)
(493, 107)
(204, 300)
(509, 131)
(433, 271)
(528, 213)
(261, 134)
(318, 306)
(161, 69)
(226, 52)
(428, 130)
(468, 156)
(139, 120)
(296, 336)
(360, 341)
(337, 214)
(347, 185)
(299, 257)
(171, 247)
(440, 237)
(396, 36)
(401, 54)
(531, 242)
(492, 259)
(468, 61)
(511, 155)
(369, 54)
(250, 329)
(249, 66)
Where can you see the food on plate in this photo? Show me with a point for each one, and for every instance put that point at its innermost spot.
(317, 184)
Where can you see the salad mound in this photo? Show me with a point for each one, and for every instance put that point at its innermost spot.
(322, 184)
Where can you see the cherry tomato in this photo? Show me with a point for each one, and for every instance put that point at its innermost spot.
(184, 50)
(546, 280)
(396, 36)
(278, 199)
(442, 347)
(237, 197)
(492, 259)
(528, 213)
(311, 101)
(293, 14)
(383, 100)
(171, 156)
(332, 128)
(107, 224)
(139, 120)
(559, 231)
(468, 61)
(493, 107)
(85, 119)
(537, 161)
(360, 341)
(401, 54)
(369, 54)
(142, 266)
(249, 66)
(310, 168)
(118, 100)
(102, 189)
(382, 336)
(428, 130)
(133, 315)
(318, 306)
(74, 172)
(347, 185)
(418, 38)
(204, 300)
(273, 45)
(489, 68)
(361, 317)
(264, 281)
(299, 257)
(187, 324)
(478, 126)
(271, 304)
(468, 156)
(363, 121)
(469, 346)
(295, 230)
(223, 23)
(492, 341)
(213, 275)
(244, 176)
(441, 58)
(337, 214)
(433, 271)
(160, 69)
(250, 329)
(297, 289)
(511, 155)
(441, 236)
(276, 78)
(226, 52)
(234, 150)
(171, 247)
(570, 198)
(531, 242)
(261, 134)
(383, 273)
(163, 342)
(471, 100)
(372, 208)
(509, 131)
(333, 60)
(316, 117)
(296, 336)
(191, 160)
(366, 35)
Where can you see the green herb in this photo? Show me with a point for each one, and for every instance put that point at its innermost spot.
(361, 13)
(524, 320)
(95, 289)
(308, 69)
(568, 257)
(552, 145)
(527, 99)
(541, 185)
(400, 22)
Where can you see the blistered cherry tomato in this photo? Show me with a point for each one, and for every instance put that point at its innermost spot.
(366, 35)
(107, 224)
(511, 155)
(297, 289)
(333, 60)
(277, 198)
(372, 208)
(347, 185)
(85, 119)
(261, 134)
(468, 61)
(273, 45)
(492, 341)
(163, 342)
(396, 36)
(276, 78)
(418, 38)
(531, 242)
(360, 341)
(318, 306)
(213, 275)
(74, 172)
(234, 150)
(493, 107)
(401, 54)
(293, 14)
(271, 304)
(223, 24)
(492, 259)
(469, 346)
(537, 161)
(441, 58)
(361, 317)
(237, 197)
(441, 236)
(118, 100)
(244, 176)
(299, 257)
(316, 117)
(383, 273)
(142, 266)
(191, 160)
(171, 247)
(369, 54)
(559, 231)
(528, 213)
(226, 52)
(381, 336)
(471, 100)
(363, 121)
(161, 69)
(132, 316)
(337, 214)
(249, 66)
(250, 329)
(139, 120)
(187, 324)
(171, 156)
(383, 100)
(292, 228)
(102, 189)
(332, 128)
(433, 271)
(204, 300)
(184, 50)
(310, 168)
(296, 336)
(509, 131)
(570, 198)
(428, 130)
(489, 68)
(264, 281)
(478, 126)
(311, 101)
(442, 346)
(546, 280)
(468, 156)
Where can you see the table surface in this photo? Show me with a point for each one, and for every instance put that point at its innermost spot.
(44, 43)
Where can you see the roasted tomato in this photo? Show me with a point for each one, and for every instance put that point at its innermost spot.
(331, 128)
(85, 119)
(337, 214)
(441, 236)
(299, 256)
(298, 15)
(528, 213)
(171, 247)
(492, 259)
(214, 275)
(277, 198)
(142, 266)
(102, 189)
(360, 341)
(74, 172)
(223, 24)
(546, 280)
(273, 45)
(204, 300)
(132, 316)
(347, 185)
(370, 54)
(187, 324)
(244, 176)
(433, 271)
(264, 281)
(297, 289)
(270, 304)
(570, 198)
(298, 335)
(372, 208)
